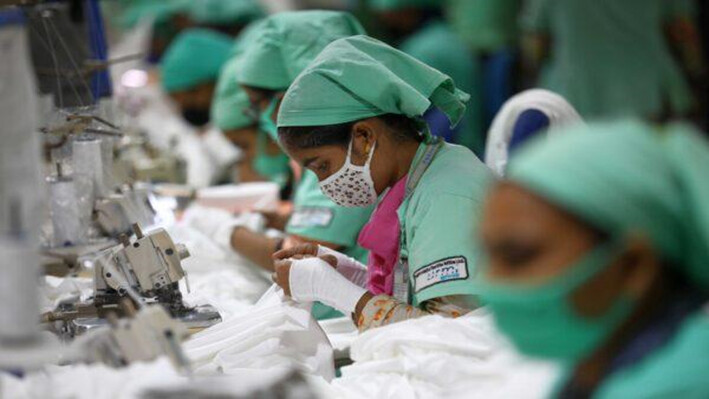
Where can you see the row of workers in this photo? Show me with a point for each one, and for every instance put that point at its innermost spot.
(570, 47)
(584, 253)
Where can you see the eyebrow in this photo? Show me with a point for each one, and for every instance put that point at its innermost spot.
(308, 161)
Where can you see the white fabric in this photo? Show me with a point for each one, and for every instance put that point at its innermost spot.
(349, 267)
(218, 275)
(221, 151)
(555, 107)
(313, 279)
(275, 334)
(437, 357)
(55, 290)
(99, 381)
(243, 197)
(218, 224)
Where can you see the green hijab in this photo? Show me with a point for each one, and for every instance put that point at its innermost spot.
(625, 177)
(288, 41)
(360, 77)
(230, 100)
(193, 58)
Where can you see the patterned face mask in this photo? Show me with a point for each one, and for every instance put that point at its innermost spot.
(352, 185)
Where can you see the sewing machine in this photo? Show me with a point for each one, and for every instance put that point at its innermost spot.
(146, 268)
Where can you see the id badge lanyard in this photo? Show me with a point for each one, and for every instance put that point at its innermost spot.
(402, 286)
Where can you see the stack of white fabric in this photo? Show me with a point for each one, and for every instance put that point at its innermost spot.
(442, 358)
(56, 290)
(275, 335)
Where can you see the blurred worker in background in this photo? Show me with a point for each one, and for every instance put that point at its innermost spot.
(596, 248)
(417, 28)
(227, 16)
(262, 158)
(170, 17)
(490, 30)
(615, 58)
(188, 73)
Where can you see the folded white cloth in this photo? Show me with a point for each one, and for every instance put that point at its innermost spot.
(276, 333)
(437, 357)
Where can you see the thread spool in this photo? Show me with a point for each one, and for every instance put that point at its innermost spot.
(87, 160)
(18, 292)
(107, 162)
(67, 221)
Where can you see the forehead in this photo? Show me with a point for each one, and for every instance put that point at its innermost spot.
(510, 207)
(301, 155)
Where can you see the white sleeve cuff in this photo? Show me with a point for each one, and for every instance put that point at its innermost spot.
(313, 279)
(353, 270)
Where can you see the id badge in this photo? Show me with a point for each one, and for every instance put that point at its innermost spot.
(401, 281)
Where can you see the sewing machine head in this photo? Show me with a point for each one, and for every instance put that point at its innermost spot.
(147, 268)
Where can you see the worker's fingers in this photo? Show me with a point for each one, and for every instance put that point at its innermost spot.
(332, 260)
(282, 275)
(302, 249)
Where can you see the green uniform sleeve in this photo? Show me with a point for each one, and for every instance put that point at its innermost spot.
(440, 237)
(536, 16)
(316, 217)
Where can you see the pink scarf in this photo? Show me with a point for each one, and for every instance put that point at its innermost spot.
(381, 237)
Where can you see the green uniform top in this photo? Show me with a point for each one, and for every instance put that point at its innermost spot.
(677, 370)
(484, 25)
(318, 218)
(437, 222)
(439, 47)
(609, 58)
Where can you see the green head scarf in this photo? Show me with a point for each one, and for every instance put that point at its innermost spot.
(288, 41)
(224, 12)
(193, 58)
(625, 177)
(230, 101)
(388, 5)
(360, 77)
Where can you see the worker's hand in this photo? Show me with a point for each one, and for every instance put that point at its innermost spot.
(282, 275)
(312, 279)
(306, 250)
(300, 250)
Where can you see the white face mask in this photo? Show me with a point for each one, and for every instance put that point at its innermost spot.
(352, 185)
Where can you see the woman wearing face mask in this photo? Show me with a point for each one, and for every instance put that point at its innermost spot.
(189, 71)
(353, 117)
(262, 159)
(597, 247)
